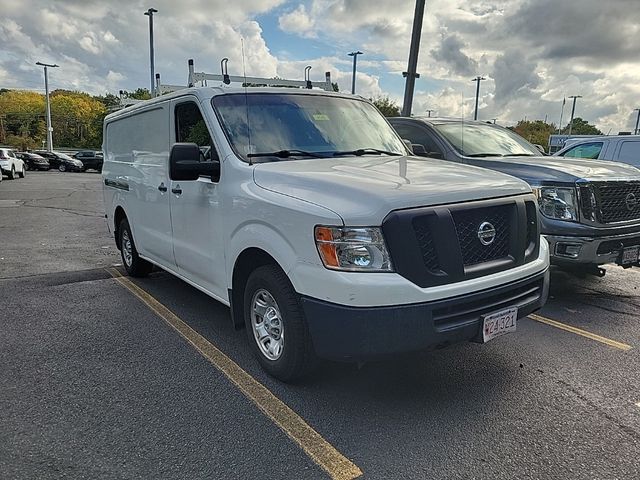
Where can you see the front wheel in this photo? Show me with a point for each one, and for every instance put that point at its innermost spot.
(276, 326)
(12, 174)
(133, 264)
(22, 172)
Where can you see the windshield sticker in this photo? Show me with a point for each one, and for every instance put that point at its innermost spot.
(320, 117)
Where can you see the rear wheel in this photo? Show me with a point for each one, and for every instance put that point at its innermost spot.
(21, 173)
(62, 167)
(12, 174)
(133, 264)
(276, 326)
(26, 166)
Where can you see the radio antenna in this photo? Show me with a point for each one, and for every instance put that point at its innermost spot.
(246, 104)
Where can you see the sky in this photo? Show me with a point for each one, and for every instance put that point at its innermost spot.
(533, 53)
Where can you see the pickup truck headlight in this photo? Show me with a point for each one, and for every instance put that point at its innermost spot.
(557, 202)
(359, 249)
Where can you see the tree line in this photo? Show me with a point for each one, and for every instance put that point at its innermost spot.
(76, 117)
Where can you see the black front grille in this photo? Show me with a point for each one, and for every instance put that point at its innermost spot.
(425, 241)
(468, 224)
(617, 201)
(440, 245)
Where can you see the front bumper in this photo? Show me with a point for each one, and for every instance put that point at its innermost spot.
(582, 250)
(341, 332)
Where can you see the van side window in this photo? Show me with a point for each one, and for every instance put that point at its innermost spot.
(585, 150)
(191, 128)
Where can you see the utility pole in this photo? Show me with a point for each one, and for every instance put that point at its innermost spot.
(46, 91)
(478, 79)
(150, 13)
(564, 101)
(411, 73)
(573, 111)
(429, 112)
(353, 79)
(635, 132)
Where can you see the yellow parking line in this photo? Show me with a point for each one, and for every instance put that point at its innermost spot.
(311, 442)
(579, 331)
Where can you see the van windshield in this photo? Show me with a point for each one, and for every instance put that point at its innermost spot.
(257, 124)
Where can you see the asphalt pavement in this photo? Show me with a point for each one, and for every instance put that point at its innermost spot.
(96, 383)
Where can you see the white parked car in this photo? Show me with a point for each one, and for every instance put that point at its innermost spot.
(11, 165)
(618, 148)
(310, 219)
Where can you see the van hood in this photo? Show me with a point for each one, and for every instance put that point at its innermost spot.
(558, 169)
(363, 190)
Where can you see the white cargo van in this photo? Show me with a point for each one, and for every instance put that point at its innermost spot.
(304, 212)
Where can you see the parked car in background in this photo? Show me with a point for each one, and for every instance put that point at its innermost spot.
(90, 159)
(590, 209)
(11, 165)
(619, 148)
(33, 161)
(62, 161)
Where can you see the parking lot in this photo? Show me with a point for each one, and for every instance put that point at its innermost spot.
(110, 377)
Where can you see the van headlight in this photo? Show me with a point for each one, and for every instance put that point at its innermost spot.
(357, 249)
(557, 202)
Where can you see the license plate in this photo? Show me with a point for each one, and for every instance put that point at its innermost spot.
(499, 323)
(630, 255)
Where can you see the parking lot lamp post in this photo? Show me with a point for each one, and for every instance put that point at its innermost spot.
(635, 131)
(411, 74)
(429, 112)
(353, 79)
(573, 111)
(150, 13)
(478, 79)
(46, 92)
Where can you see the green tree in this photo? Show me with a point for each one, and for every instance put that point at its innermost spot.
(582, 127)
(535, 131)
(137, 94)
(387, 107)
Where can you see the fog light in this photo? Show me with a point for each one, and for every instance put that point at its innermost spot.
(571, 250)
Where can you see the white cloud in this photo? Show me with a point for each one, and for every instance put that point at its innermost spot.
(298, 21)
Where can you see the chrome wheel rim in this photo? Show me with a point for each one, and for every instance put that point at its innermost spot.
(267, 326)
(127, 248)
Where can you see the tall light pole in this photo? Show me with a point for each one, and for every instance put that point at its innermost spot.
(411, 74)
(635, 132)
(478, 79)
(573, 111)
(46, 92)
(150, 13)
(429, 112)
(355, 59)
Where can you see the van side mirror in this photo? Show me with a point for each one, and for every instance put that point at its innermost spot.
(185, 164)
(407, 143)
(418, 149)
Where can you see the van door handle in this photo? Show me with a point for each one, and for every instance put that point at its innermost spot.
(177, 190)
(162, 187)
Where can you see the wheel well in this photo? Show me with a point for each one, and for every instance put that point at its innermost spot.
(117, 218)
(247, 262)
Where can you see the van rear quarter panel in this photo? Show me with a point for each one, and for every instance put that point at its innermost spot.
(136, 149)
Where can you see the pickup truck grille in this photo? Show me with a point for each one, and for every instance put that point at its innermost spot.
(440, 245)
(611, 202)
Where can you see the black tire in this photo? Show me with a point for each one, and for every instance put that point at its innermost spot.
(12, 174)
(22, 173)
(26, 166)
(136, 266)
(297, 358)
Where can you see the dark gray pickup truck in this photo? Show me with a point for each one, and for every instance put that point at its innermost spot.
(590, 209)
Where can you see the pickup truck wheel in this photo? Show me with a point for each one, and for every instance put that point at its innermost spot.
(276, 326)
(133, 264)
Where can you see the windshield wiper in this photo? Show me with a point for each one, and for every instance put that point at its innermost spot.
(523, 155)
(483, 155)
(364, 151)
(286, 154)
